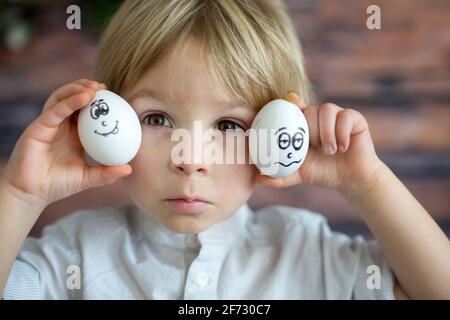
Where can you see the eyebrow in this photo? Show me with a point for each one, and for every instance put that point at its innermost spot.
(145, 93)
(148, 92)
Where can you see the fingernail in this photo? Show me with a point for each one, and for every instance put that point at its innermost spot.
(328, 148)
(291, 95)
(341, 148)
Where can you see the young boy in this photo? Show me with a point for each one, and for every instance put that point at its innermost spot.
(191, 234)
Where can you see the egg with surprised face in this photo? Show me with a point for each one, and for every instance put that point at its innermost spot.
(109, 129)
(279, 139)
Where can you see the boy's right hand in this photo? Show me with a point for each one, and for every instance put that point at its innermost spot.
(47, 163)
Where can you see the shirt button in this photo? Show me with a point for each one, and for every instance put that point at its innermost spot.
(203, 279)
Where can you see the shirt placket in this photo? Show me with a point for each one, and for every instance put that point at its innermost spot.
(202, 276)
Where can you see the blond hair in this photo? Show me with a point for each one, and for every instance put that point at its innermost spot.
(251, 45)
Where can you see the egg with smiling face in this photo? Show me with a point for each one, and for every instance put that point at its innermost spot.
(279, 139)
(109, 129)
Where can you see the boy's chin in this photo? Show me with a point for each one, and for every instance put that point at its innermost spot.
(187, 227)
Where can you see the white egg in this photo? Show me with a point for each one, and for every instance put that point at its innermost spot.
(279, 139)
(109, 129)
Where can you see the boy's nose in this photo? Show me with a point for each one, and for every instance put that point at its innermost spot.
(189, 169)
(190, 160)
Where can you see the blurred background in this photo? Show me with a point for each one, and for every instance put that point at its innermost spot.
(398, 77)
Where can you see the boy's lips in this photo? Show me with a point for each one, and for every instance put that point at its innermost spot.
(188, 204)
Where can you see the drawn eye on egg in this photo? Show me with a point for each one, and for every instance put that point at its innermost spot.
(290, 143)
(99, 109)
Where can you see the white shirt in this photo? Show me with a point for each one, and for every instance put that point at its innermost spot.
(120, 252)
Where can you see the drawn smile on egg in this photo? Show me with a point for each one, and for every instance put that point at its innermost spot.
(113, 131)
(287, 165)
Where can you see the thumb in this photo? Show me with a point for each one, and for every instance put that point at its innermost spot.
(295, 99)
(102, 175)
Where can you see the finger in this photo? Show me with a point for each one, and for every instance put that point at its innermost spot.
(312, 118)
(327, 127)
(86, 83)
(344, 125)
(295, 99)
(95, 85)
(348, 123)
(63, 93)
(74, 117)
(102, 86)
(45, 127)
(69, 90)
(102, 175)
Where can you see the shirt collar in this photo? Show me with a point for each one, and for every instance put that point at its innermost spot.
(223, 232)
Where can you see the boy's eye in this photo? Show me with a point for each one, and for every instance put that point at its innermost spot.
(157, 120)
(224, 125)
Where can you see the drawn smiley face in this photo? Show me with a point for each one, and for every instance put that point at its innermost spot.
(279, 139)
(290, 142)
(98, 129)
(99, 110)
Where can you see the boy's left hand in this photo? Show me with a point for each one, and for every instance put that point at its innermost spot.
(341, 154)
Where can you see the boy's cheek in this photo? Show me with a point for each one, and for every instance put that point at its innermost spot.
(243, 176)
(252, 173)
(152, 151)
(147, 166)
(152, 139)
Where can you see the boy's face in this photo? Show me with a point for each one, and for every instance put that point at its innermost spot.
(174, 93)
